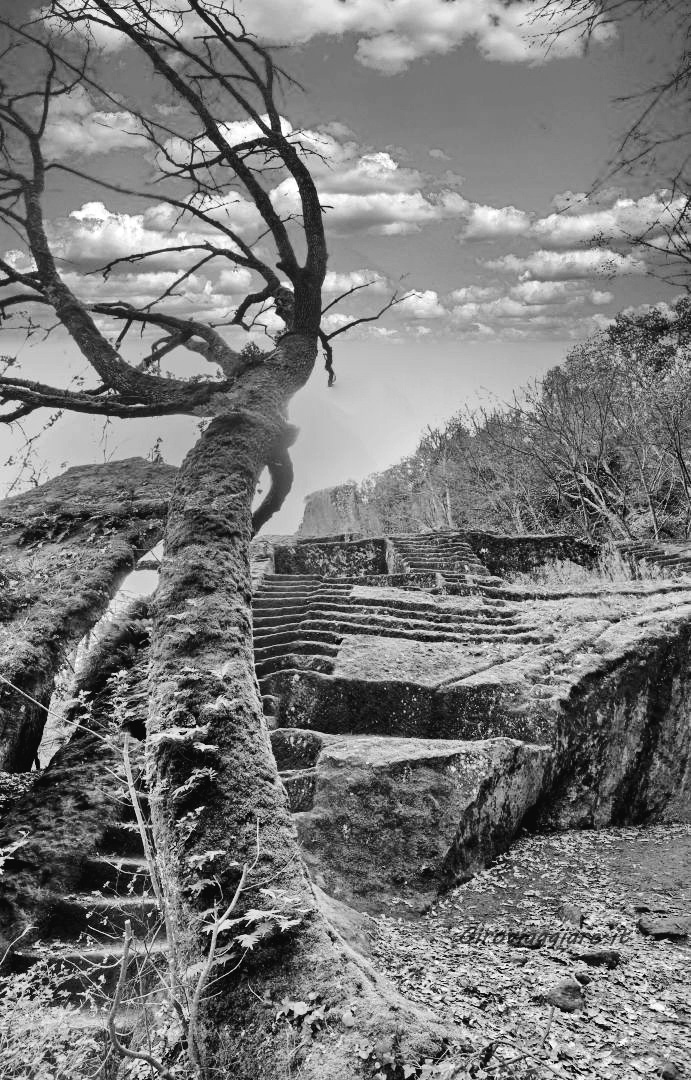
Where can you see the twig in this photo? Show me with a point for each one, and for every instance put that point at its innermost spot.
(124, 1051)
(192, 1045)
(175, 985)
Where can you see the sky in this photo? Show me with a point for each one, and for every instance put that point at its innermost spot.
(455, 162)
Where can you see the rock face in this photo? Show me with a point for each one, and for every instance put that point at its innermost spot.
(387, 821)
(422, 710)
(418, 725)
(64, 549)
(332, 510)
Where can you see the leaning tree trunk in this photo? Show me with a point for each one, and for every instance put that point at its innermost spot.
(214, 786)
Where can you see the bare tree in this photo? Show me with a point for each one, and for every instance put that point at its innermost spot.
(657, 142)
(212, 774)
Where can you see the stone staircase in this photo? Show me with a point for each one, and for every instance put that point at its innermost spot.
(449, 555)
(83, 939)
(672, 559)
(300, 622)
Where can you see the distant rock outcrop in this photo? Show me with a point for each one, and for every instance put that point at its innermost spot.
(332, 510)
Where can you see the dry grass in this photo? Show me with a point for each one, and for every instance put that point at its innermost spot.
(611, 568)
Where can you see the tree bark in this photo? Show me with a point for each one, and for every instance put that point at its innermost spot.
(213, 779)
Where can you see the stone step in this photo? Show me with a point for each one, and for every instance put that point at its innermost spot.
(91, 1021)
(301, 661)
(295, 632)
(279, 603)
(103, 917)
(321, 614)
(329, 620)
(298, 645)
(270, 704)
(91, 968)
(269, 585)
(333, 620)
(118, 875)
(299, 785)
(287, 607)
(121, 838)
(294, 577)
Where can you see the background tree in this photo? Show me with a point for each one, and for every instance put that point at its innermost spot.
(213, 781)
(657, 141)
(601, 447)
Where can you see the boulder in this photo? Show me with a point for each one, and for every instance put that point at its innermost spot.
(673, 928)
(393, 821)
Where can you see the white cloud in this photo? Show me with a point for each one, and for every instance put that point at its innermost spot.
(392, 35)
(492, 222)
(387, 213)
(76, 127)
(569, 265)
(93, 235)
(421, 305)
(598, 297)
(578, 220)
(336, 282)
(475, 292)
(625, 219)
(544, 292)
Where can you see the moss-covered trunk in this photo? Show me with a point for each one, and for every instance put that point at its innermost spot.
(214, 783)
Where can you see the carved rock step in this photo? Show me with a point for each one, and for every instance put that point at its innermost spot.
(266, 606)
(111, 874)
(297, 645)
(121, 838)
(379, 608)
(103, 918)
(92, 1021)
(300, 661)
(272, 584)
(393, 626)
(91, 969)
(489, 613)
(285, 635)
(385, 819)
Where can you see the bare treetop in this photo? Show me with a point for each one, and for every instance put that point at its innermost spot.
(218, 145)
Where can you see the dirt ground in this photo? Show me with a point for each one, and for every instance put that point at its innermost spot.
(634, 1018)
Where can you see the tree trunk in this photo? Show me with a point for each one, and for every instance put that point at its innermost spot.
(214, 785)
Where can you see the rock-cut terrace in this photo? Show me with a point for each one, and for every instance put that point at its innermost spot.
(427, 696)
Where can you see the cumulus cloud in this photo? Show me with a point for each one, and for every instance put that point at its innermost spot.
(422, 305)
(387, 213)
(93, 235)
(569, 265)
(544, 292)
(76, 126)
(492, 222)
(475, 292)
(391, 36)
(624, 219)
(577, 220)
(336, 282)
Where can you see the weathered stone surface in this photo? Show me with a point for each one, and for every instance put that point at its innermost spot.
(64, 549)
(624, 738)
(356, 558)
(394, 820)
(599, 674)
(58, 824)
(509, 554)
(566, 995)
(332, 510)
(674, 928)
